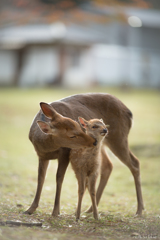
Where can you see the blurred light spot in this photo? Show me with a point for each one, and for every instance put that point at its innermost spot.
(134, 21)
(58, 30)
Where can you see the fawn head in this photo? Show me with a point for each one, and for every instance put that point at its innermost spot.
(94, 127)
(67, 132)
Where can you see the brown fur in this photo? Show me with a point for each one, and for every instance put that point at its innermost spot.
(86, 163)
(89, 106)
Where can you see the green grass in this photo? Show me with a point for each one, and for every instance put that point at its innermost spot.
(18, 173)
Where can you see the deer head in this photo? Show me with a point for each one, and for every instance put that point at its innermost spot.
(65, 131)
(94, 127)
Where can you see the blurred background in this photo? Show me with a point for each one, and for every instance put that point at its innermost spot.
(73, 43)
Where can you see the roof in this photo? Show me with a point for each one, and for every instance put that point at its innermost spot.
(19, 36)
(149, 17)
(37, 24)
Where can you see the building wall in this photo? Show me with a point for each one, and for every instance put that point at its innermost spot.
(116, 65)
(8, 64)
(40, 66)
(79, 71)
(107, 64)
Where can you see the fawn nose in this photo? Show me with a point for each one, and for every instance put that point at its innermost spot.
(105, 130)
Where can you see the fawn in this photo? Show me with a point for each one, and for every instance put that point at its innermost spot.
(86, 162)
(57, 145)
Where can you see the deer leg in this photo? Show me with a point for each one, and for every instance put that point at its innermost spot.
(106, 169)
(92, 191)
(63, 161)
(43, 164)
(122, 151)
(135, 170)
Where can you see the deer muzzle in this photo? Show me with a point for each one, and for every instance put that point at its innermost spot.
(104, 132)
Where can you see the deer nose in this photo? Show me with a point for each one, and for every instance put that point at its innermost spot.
(105, 130)
(95, 143)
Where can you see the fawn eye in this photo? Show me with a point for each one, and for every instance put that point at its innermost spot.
(95, 126)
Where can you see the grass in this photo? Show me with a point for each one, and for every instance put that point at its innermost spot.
(18, 174)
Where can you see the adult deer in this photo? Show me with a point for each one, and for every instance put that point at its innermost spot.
(89, 106)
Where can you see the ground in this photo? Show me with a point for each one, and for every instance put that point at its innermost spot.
(117, 208)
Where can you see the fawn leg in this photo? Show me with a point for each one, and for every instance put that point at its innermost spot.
(63, 161)
(106, 169)
(92, 191)
(42, 168)
(121, 150)
(81, 190)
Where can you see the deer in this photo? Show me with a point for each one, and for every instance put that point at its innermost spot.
(49, 147)
(86, 162)
(64, 132)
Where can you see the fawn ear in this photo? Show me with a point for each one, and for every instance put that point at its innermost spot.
(101, 120)
(45, 127)
(48, 110)
(83, 123)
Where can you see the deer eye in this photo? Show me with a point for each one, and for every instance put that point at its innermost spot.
(95, 126)
(73, 137)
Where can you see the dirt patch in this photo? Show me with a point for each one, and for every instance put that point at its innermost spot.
(109, 226)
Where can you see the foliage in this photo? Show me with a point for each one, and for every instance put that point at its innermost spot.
(23, 12)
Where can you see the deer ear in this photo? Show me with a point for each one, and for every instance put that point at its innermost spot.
(48, 110)
(101, 120)
(83, 123)
(45, 127)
